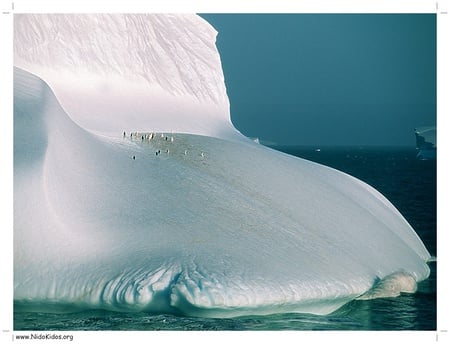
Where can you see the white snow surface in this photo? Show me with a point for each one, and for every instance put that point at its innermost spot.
(131, 71)
(214, 225)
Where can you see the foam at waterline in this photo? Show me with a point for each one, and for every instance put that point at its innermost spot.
(239, 229)
(391, 286)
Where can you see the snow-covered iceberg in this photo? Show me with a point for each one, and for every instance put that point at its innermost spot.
(187, 216)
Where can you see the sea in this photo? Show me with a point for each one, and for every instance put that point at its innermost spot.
(409, 183)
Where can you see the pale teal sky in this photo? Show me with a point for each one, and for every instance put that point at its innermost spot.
(329, 79)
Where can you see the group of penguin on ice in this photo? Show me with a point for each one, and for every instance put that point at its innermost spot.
(151, 136)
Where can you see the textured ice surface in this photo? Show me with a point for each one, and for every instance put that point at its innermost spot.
(128, 72)
(211, 224)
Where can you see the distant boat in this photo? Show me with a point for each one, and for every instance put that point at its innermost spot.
(426, 142)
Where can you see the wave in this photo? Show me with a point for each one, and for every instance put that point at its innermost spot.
(391, 286)
(199, 222)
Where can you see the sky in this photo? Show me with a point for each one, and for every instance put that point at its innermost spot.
(329, 79)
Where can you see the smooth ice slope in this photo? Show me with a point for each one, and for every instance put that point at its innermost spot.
(212, 226)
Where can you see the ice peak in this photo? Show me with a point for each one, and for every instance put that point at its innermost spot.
(163, 69)
(136, 46)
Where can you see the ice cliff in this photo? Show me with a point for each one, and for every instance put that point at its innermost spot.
(188, 216)
(128, 72)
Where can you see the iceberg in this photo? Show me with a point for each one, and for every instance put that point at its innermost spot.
(134, 192)
(426, 142)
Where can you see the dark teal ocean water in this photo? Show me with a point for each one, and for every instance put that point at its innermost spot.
(409, 183)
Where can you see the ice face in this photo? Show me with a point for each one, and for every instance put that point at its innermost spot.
(209, 225)
(132, 72)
